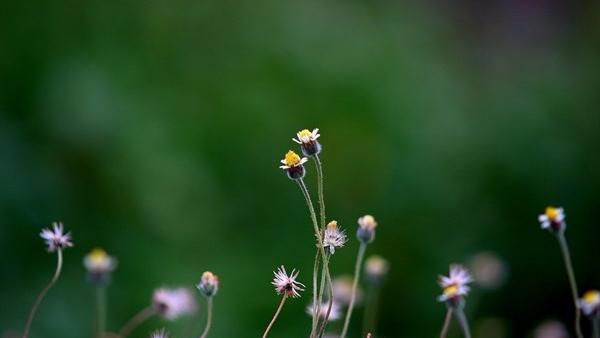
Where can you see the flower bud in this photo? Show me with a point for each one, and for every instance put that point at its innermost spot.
(366, 229)
(209, 284)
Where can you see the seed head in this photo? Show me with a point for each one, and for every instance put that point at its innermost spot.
(286, 284)
(56, 239)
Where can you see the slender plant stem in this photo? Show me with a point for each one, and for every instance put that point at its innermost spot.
(320, 191)
(357, 268)
(325, 319)
(136, 320)
(564, 247)
(446, 323)
(209, 309)
(275, 316)
(315, 314)
(596, 325)
(462, 320)
(42, 294)
(100, 310)
(313, 216)
(370, 316)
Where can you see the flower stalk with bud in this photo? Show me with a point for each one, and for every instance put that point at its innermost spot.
(286, 286)
(454, 289)
(99, 266)
(208, 286)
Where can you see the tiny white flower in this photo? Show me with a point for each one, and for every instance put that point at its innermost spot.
(342, 290)
(173, 303)
(56, 238)
(590, 302)
(209, 284)
(455, 285)
(366, 229)
(286, 284)
(376, 267)
(293, 164)
(306, 136)
(334, 237)
(553, 219)
(160, 334)
(334, 314)
(98, 261)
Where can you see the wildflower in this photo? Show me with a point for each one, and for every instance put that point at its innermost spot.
(286, 284)
(160, 334)
(55, 238)
(590, 303)
(376, 267)
(455, 286)
(342, 290)
(334, 237)
(488, 270)
(173, 303)
(308, 141)
(99, 265)
(294, 165)
(553, 219)
(366, 229)
(209, 284)
(334, 314)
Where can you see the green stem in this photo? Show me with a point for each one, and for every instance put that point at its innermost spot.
(596, 325)
(370, 315)
(313, 217)
(446, 323)
(357, 269)
(275, 316)
(136, 320)
(315, 308)
(329, 302)
(209, 311)
(462, 320)
(42, 294)
(100, 310)
(564, 247)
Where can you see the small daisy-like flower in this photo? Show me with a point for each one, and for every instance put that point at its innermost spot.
(173, 303)
(376, 267)
(308, 141)
(99, 265)
(334, 237)
(209, 284)
(366, 229)
(56, 239)
(590, 303)
(162, 333)
(334, 314)
(455, 286)
(342, 290)
(293, 164)
(553, 219)
(286, 284)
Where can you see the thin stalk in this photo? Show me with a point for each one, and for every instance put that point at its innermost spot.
(100, 310)
(596, 325)
(275, 316)
(357, 269)
(136, 320)
(315, 306)
(42, 294)
(313, 217)
(564, 247)
(370, 316)
(209, 309)
(462, 320)
(446, 323)
(329, 302)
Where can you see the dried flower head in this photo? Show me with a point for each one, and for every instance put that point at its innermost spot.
(334, 314)
(553, 219)
(99, 265)
(56, 238)
(455, 286)
(293, 164)
(342, 290)
(286, 284)
(173, 303)
(366, 229)
(590, 303)
(376, 268)
(162, 333)
(334, 237)
(209, 284)
(308, 141)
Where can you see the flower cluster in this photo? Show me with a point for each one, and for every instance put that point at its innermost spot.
(334, 237)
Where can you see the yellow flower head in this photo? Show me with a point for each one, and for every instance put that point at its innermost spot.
(304, 133)
(451, 291)
(332, 225)
(552, 212)
(97, 256)
(98, 261)
(591, 297)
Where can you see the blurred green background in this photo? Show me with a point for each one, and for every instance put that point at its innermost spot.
(154, 130)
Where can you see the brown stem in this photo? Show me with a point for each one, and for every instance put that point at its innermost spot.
(136, 320)
(275, 316)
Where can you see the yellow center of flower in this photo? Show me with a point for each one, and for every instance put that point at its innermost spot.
(591, 297)
(551, 212)
(292, 159)
(97, 256)
(451, 291)
(304, 133)
(332, 225)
